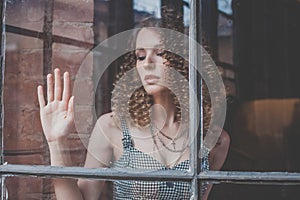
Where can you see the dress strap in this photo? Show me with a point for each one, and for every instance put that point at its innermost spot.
(127, 140)
(204, 158)
(205, 167)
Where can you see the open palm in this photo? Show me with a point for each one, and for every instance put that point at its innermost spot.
(57, 115)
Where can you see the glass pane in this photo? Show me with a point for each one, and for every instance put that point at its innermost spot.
(127, 105)
(254, 45)
(235, 191)
(216, 42)
(265, 118)
(20, 187)
(76, 37)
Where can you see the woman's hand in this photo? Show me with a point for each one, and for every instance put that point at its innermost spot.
(57, 116)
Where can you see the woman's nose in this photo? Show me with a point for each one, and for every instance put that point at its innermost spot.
(149, 62)
(149, 58)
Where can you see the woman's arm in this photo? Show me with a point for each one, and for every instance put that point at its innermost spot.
(99, 155)
(219, 153)
(57, 120)
(218, 156)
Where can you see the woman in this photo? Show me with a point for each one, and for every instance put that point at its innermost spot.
(151, 134)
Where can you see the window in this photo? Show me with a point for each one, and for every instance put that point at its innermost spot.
(262, 107)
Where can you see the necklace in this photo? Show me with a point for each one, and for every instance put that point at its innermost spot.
(184, 146)
(173, 140)
(169, 138)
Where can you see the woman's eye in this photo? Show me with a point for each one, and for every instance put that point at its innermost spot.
(160, 53)
(141, 57)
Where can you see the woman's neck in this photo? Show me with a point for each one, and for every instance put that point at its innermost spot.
(163, 112)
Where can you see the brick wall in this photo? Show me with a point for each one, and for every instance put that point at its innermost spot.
(28, 60)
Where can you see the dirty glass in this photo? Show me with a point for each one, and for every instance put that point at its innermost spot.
(41, 36)
(253, 45)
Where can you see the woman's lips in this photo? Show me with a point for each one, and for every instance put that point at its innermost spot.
(151, 79)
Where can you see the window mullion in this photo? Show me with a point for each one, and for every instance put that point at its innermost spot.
(194, 90)
(2, 60)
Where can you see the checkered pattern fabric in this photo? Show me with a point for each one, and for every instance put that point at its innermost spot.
(133, 159)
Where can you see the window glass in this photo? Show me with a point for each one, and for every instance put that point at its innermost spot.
(248, 191)
(253, 46)
(71, 36)
(256, 52)
(17, 188)
(76, 37)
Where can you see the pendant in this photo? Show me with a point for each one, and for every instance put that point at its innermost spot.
(173, 143)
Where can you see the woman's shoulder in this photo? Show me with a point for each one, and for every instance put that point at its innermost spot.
(218, 154)
(108, 122)
(224, 138)
(107, 125)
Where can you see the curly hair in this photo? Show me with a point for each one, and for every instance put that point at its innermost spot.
(132, 101)
(136, 107)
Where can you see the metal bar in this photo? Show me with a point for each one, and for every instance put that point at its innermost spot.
(193, 113)
(22, 152)
(24, 31)
(48, 37)
(194, 189)
(168, 175)
(73, 42)
(3, 188)
(199, 14)
(250, 177)
(42, 35)
(2, 60)
(95, 173)
(55, 38)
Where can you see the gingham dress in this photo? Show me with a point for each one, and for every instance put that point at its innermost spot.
(133, 159)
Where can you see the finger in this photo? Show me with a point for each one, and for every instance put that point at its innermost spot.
(49, 88)
(70, 113)
(57, 86)
(41, 97)
(66, 92)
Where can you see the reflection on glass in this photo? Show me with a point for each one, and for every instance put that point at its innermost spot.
(153, 8)
(20, 187)
(225, 6)
(262, 80)
(42, 188)
(49, 44)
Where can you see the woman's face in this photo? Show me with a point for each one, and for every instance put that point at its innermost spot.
(150, 63)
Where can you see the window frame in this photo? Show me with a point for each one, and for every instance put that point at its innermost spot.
(195, 176)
